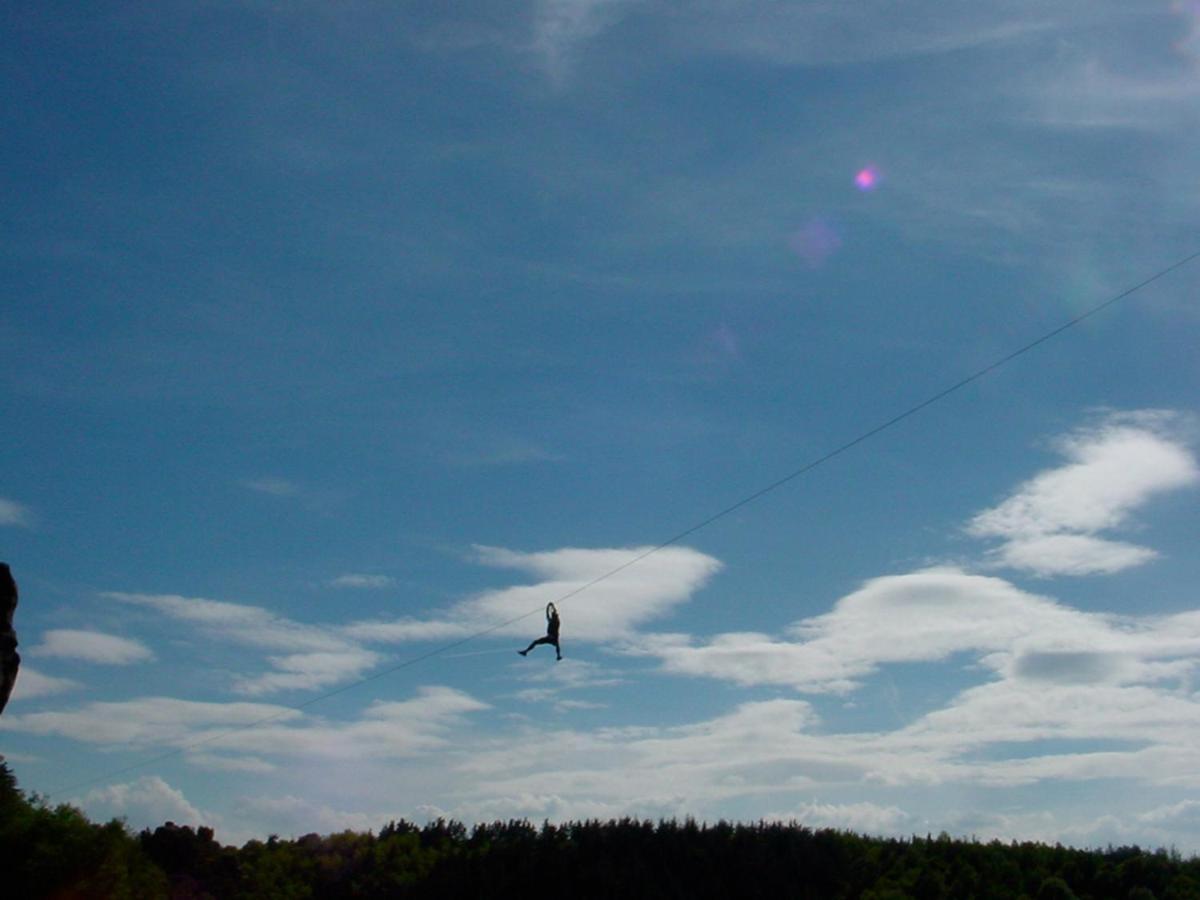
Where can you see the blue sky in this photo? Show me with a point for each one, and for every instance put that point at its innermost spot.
(334, 334)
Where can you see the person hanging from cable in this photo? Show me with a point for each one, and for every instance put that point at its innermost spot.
(551, 637)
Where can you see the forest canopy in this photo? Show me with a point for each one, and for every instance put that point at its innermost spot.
(56, 851)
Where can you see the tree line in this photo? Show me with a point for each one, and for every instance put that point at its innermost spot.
(57, 852)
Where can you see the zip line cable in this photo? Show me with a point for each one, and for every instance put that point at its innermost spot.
(687, 532)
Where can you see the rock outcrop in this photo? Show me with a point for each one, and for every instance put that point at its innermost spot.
(10, 660)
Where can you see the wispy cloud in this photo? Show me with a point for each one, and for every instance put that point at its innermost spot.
(92, 646)
(220, 763)
(316, 656)
(276, 487)
(1098, 91)
(561, 27)
(803, 33)
(501, 450)
(162, 721)
(609, 608)
(360, 581)
(15, 514)
(308, 671)
(236, 621)
(31, 683)
(233, 734)
(1051, 525)
(310, 496)
(568, 676)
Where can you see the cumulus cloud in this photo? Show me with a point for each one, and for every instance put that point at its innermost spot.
(14, 513)
(145, 803)
(599, 591)
(1050, 526)
(289, 814)
(864, 817)
(1116, 689)
(92, 646)
(919, 617)
(650, 770)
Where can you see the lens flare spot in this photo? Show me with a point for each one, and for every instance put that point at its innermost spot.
(867, 179)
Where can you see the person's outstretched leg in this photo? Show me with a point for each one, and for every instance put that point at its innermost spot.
(541, 640)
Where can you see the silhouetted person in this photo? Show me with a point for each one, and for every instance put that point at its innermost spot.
(551, 632)
(10, 660)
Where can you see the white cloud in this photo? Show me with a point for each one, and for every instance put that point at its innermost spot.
(1070, 554)
(833, 33)
(276, 487)
(1050, 525)
(501, 450)
(245, 735)
(145, 803)
(771, 751)
(864, 817)
(561, 26)
(220, 763)
(291, 815)
(361, 581)
(319, 656)
(596, 601)
(32, 683)
(1091, 93)
(13, 513)
(923, 616)
(809, 33)
(308, 671)
(1115, 689)
(566, 676)
(1147, 721)
(147, 721)
(237, 622)
(399, 631)
(1184, 814)
(92, 646)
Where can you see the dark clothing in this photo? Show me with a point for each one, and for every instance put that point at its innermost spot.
(551, 637)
